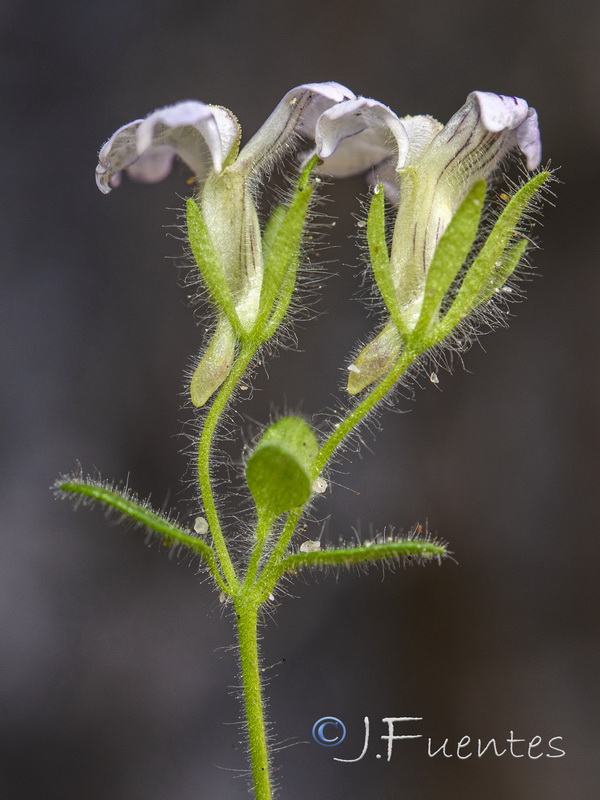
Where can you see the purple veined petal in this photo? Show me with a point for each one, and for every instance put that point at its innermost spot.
(513, 117)
(500, 112)
(296, 114)
(200, 135)
(354, 136)
(529, 140)
(476, 139)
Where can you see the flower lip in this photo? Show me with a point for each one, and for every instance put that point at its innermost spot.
(204, 137)
(354, 136)
(505, 114)
(201, 135)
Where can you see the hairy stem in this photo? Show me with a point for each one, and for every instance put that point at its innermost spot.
(247, 626)
(204, 451)
(359, 412)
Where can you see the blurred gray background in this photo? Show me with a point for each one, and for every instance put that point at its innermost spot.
(116, 671)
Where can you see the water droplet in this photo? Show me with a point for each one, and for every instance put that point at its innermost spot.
(200, 526)
(319, 486)
(434, 378)
(353, 368)
(310, 547)
(507, 289)
(362, 223)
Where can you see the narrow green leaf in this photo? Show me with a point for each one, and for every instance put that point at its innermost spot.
(278, 471)
(450, 255)
(379, 257)
(490, 258)
(209, 265)
(383, 551)
(123, 502)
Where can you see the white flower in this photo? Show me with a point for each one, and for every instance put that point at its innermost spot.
(207, 139)
(427, 169)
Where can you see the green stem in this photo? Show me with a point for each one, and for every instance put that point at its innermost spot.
(270, 572)
(360, 411)
(204, 450)
(263, 526)
(247, 625)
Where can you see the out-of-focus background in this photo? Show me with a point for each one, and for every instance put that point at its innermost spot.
(116, 668)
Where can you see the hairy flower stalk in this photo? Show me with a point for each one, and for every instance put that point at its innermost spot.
(433, 272)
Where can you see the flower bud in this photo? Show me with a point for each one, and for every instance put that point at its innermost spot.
(278, 471)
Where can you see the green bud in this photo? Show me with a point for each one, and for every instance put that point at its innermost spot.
(278, 471)
(214, 365)
(375, 359)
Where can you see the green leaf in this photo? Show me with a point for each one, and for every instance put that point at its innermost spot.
(278, 471)
(450, 255)
(209, 265)
(491, 257)
(363, 554)
(379, 257)
(126, 504)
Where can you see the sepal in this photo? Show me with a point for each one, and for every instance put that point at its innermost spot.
(450, 255)
(496, 259)
(281, 248)
(208, 263)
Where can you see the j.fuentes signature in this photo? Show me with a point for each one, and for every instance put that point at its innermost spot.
(331, 731)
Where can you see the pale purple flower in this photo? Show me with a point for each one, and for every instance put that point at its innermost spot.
(426, 169)
(207, 137)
